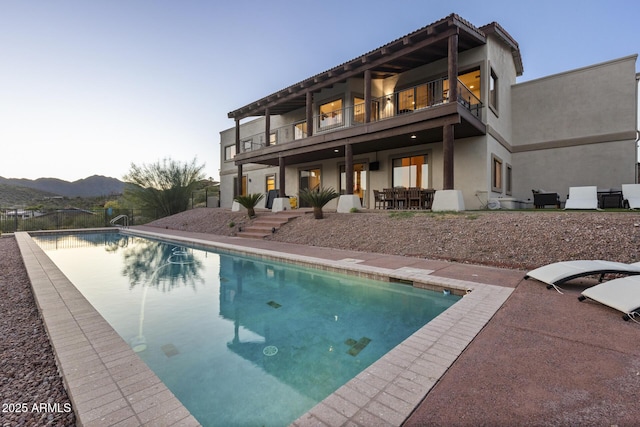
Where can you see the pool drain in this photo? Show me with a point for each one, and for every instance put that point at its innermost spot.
(270, 350)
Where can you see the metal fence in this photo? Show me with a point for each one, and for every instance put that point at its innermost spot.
(12, 219)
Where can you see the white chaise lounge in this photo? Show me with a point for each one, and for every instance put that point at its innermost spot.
(582, 198)
(621, 294)
(559, 272)
(631, 194)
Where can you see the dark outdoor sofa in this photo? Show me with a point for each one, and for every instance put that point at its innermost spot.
(543, 198)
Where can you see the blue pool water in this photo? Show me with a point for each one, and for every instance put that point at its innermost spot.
(240, 341)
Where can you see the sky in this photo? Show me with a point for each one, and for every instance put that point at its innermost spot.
(88, 87)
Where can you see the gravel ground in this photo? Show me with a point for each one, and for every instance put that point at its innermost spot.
(520, 240)
(28, 372)
(512, 239)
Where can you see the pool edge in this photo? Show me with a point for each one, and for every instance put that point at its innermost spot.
(105, 380)
(385, 393)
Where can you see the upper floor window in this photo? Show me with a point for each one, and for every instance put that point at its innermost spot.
(331, 115)
(412, 99)
(229, 152)
(246, 145)
(359, 110)
(300, 130)
(273, 138)
(493, 90)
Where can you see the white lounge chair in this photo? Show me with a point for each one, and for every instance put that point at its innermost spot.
(631, 193)
(621, 294)
(559, 272)
(582, 198)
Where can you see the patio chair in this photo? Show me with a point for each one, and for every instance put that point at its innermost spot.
(558, 273)
(631, 195)
(378, 200)
(582, 198)
(389, 198)
(402, 198)
(415, 198)
(621, 294)
(542, 198)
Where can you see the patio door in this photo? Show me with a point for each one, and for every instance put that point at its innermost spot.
(359, 181)
(309, 179)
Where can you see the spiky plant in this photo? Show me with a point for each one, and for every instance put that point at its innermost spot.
(249, 201)
(318, 198)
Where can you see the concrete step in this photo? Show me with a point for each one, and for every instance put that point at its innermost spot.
(267, 224)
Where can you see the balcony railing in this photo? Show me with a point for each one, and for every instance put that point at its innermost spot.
(406, 101)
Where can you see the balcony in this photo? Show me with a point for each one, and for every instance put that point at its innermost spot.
(402, 103)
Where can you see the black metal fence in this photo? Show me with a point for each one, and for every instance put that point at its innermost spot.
(12, 219)
(205, 198)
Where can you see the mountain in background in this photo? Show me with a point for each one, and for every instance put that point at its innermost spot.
(92, 186)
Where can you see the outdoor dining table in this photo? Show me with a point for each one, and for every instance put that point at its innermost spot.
(406, 198)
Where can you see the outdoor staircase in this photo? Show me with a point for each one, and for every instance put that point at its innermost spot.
(267, 224)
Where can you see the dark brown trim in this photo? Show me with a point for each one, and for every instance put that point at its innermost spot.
(575, 142)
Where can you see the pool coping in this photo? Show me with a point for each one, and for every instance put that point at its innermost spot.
(108, 384)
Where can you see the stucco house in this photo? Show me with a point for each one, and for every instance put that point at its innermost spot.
(391, 118)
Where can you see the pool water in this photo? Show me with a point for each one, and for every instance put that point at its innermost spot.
(240, 341)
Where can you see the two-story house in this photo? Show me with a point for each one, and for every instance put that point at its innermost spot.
(437, 109)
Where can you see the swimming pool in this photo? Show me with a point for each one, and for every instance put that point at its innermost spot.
(248, 341)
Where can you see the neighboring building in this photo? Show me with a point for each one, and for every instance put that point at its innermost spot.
(385, 119)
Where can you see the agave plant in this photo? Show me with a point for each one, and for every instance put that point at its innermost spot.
(318, 198)
(249, 201)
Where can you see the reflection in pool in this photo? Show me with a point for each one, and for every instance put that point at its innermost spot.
(240, 341)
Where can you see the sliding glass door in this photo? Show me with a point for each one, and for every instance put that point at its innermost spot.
(309, 179)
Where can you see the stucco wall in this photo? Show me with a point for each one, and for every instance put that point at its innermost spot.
(605, 165)
(595, 100)
(576, 129)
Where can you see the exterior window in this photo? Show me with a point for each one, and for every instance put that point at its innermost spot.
(300, 130)
(229, 152)
(309, 180)
(496, 174)
(331, 115)
(411, 172)
(358, 111)
(246, 145)
(273, 138)
(270, 182)
(243, 191)
(404, 102)
(470, 80)
(493, 90)
(508, 180)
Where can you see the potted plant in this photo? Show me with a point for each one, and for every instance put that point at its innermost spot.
(249, 202)
(318, 198)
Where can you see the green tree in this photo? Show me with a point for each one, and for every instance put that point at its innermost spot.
(249, 202)
(164, 185)
(318, 198)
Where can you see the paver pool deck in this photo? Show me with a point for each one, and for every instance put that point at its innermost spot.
(510, 352)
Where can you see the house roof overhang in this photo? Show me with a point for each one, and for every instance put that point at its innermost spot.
(504, 37)
(418, 48)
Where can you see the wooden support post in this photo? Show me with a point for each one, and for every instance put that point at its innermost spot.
(281, 177)
(448, 133)
(309, 114)
(239, 186)
(348, 169)
(367, 96)
(267, 127)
